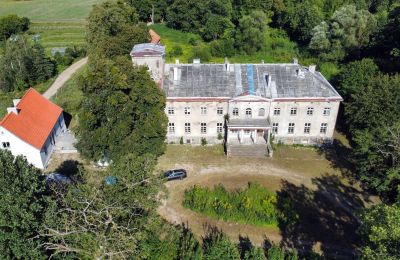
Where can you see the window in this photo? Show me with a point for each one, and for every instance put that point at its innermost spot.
(171, 111)
(187, 128)
(203, 110)
(220, 111)
(6, 145)
(235, 111)
(203, 128)
(293, 111)
(248, 112)
(275, 128)
(277, 111)
(323, 128)
(247, 132)
(310, 111)
(171, 128)
(307, 127)
(261, 112)
(219, 128)
(291, 128)
(187, 110)
(327, 111)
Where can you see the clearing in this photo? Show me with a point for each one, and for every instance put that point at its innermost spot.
(324, 201)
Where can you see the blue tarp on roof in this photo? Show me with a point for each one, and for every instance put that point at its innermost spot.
(250, 79)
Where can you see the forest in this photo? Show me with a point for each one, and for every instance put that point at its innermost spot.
(361, 38)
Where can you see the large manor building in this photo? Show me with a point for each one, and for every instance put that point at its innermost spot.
(245, 105)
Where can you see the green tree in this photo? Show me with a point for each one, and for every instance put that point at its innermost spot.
(348, 30)
(145, 8)
(12, 24)
(216, 245)
(113, 29)
(380, 230)
(122, 112)
(189, 247)
(251, 32)
(107, 221)
(355, 76)
(22, 207)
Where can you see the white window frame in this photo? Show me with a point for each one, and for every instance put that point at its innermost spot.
(220, 110)
(261, 112)
(310, 111)
(327, 111)
(188, 129)
(293, 111)
(203, 128)
(291, 128)
(6, 145)
(187, 111)
(307, 128)
(323, 129)
(171, 111)
(277, 111)
(275, 127)
(235, 111)
(171, 128)
(249, 112)
(220, 128)
(203, 110)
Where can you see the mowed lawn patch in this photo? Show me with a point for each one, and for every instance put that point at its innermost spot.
(49, 10)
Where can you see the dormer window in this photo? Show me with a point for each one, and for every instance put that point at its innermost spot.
(248, 112)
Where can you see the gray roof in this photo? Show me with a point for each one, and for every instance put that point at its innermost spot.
(148, 49)
(264, 80)
(251, 122)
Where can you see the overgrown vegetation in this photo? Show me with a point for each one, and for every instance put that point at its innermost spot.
(253, 205)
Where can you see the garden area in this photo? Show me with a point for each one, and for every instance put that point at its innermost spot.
(252, 205)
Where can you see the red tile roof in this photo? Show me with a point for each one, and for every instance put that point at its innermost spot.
(155, 38)
(36, 118)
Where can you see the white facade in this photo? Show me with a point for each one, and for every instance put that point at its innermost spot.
(39, 158)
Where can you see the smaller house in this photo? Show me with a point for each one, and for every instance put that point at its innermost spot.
(30, 128)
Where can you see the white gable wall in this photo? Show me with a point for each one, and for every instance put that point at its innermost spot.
(19, 147)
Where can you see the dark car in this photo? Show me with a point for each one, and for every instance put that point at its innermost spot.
(175, 174)
(56, 177)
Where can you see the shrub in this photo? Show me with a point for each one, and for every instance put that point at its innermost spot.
(181, 140)
(253, 205)
(176, 51)
(220, 137)
(203, 141)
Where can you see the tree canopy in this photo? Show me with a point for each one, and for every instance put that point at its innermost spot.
(22, 208)
(12, 24)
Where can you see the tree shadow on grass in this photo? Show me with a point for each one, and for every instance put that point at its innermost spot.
(72, 169)
(322, 219)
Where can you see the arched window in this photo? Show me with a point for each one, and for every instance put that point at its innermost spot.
(261, 112)
(235, 111)
(248, 112)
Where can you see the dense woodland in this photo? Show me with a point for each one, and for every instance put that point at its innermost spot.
(122, 118)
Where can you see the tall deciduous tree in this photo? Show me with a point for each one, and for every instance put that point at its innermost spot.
(113, 29)
(23, 205)
(123, 111)
(12, 24)
(380, 230)
(349, 30)
(251, 33)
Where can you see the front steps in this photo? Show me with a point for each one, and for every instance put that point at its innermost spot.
(249, 150)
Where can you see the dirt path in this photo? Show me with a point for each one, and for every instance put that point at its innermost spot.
(63, 77)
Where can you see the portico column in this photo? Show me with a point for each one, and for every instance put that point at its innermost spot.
(268, 136)
(255, 136)
(228, 135)
(241, 135)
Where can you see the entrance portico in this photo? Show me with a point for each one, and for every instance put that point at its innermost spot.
(248, 131)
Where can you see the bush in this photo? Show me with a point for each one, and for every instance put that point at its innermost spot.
(181, 140)
(203, 141)
(253, 205)
(201, 52)
(176, 51)
(222, 48)
(220, 137)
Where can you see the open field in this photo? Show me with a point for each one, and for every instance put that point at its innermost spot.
(324, 201)
(49, 10)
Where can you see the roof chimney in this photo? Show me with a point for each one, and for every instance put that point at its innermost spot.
(227, 65)
(16, 102)
(311, 68)
(295, 61)
(175, 73)
(12, 110)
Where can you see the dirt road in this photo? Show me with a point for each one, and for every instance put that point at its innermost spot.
(64, 77)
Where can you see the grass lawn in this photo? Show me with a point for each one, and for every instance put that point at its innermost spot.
(49, 10)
